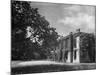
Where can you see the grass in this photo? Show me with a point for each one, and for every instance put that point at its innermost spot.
(47, 66)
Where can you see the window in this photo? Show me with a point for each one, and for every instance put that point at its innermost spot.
(66, 54)
(66, 43)
(74, 42)
(75, 54)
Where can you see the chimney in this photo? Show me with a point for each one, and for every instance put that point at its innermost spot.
(78, 30)
(71, 33)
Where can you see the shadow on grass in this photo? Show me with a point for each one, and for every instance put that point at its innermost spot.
(50, 68)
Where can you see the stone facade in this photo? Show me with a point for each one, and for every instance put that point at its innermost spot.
(68, 49)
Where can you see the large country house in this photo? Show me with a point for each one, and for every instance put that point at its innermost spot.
(70, 50)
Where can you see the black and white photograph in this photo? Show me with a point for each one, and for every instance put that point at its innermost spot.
(52, 37)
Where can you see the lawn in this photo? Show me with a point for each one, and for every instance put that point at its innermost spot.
(24, 67)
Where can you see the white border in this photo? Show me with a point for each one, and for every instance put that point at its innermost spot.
(5, 36)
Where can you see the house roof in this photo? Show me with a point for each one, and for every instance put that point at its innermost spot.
(74, 35)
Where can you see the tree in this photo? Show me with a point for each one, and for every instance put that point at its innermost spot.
(32, 36)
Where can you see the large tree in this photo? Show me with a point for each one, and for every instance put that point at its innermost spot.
(32, 36)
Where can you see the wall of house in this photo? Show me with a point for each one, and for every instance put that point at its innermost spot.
(63, 51)
(66, 54)
(66, 51)
(76, 51)
(84, 57)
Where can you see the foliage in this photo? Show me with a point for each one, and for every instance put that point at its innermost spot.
(32, 36)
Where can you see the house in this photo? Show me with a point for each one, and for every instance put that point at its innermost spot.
(70, 49)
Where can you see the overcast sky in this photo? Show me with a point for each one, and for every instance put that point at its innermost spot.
(67, 17)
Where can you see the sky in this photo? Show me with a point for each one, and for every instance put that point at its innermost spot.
(67, 18)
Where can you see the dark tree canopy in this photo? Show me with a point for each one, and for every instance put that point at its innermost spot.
(32, 36)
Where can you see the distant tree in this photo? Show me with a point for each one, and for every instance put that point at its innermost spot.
(32, 36)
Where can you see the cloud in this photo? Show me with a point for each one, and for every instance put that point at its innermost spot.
(75, 9)
(67, 18)
(82, 21)
(82, 17)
